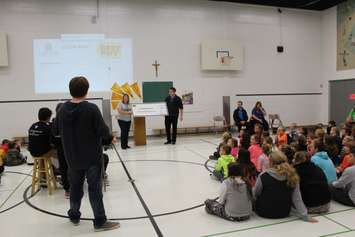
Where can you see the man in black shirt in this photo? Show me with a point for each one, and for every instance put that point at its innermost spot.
(40, 135)
(82, 130)
(175, 107)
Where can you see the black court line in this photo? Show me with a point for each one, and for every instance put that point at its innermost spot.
(19, 203)
(151, 218)
(26, 198)
(13, 191)
(209, 142)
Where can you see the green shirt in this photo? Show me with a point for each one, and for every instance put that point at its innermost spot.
(223, 162)
(352, 114)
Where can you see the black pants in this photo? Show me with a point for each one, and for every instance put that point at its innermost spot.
(124, 126)
(171, 121)
(341, 195)
(63, 167)
(94, 179)
(240, 126)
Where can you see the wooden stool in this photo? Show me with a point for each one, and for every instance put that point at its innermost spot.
(43, 174)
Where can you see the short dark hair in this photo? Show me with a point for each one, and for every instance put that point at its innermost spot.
(78, 87)
(173, 89)
(227, 149)
(244, 156)
(319, 145)
(44, 114)
(235, 170)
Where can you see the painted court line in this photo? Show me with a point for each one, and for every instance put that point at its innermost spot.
(149, 214)
(12, 193)
(278, 223)
(336, 222)
(337, 233)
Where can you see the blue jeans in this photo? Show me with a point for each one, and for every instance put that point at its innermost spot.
(76, 179)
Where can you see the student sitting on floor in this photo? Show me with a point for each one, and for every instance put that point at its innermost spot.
(255, 151)
(14, 157)
(235, 199)
(334, 132)
(343, 190)
(233, 143)
(221, 170)
(346, 157)
(249, 170)
(281, 138)
(313, 184)
(331, 148)
(277, 191)
(225, 137)
(289, 152)
(2, 168)
(293, 133)
(322, 160)
(263, 160)
(258, 132)
(244, 139)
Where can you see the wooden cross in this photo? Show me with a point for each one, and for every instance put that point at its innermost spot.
(156, 66)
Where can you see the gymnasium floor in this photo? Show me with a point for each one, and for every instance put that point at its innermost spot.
(169, 183)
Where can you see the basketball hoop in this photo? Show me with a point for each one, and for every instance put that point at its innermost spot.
(226, 60)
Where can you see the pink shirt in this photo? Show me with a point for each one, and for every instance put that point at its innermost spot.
(255, 152)
(234, 151)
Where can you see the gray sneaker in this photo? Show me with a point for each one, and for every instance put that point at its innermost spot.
(108, 225)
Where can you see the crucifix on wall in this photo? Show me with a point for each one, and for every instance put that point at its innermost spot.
(156, 66)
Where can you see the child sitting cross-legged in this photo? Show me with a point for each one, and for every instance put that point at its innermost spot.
(233, 143)
(235, 199)
(255, 150)
(313, 184)
(282, 137)
(277, 190)
(221, 169)
(249, 170)
(224, 140)
(14, 157)
(343, 190)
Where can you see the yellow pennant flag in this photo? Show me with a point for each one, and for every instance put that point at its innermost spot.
(115, 99)
(135, 88)
(117, 89)
(127, 89)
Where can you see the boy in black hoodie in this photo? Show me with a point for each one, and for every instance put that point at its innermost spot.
(82, 130)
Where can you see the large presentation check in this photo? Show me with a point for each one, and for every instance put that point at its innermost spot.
(149, 109)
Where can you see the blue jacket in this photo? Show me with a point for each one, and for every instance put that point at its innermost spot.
(322, 160)
(236, 116)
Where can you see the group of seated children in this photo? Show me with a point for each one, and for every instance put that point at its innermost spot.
(300, 172)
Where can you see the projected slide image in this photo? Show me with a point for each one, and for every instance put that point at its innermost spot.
(102, 61)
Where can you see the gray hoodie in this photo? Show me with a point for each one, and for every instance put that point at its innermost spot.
(347, 181)
(234, 195)
(299, 209)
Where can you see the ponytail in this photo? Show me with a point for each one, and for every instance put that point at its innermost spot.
(280, 165)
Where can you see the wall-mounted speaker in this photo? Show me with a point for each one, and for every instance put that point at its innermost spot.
(4, 59)
(280, 49)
